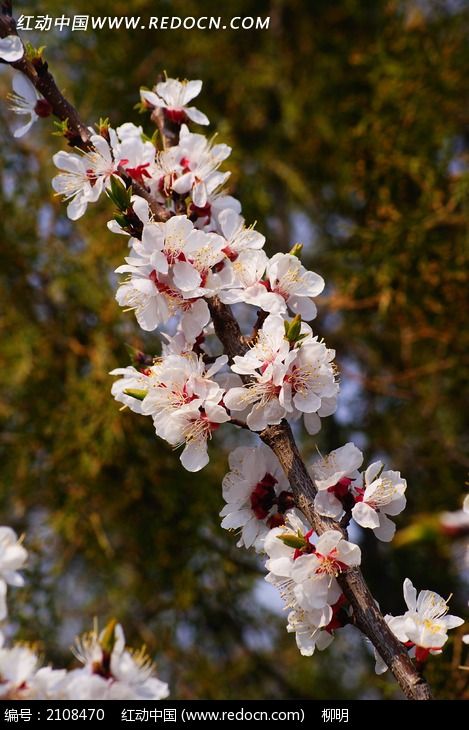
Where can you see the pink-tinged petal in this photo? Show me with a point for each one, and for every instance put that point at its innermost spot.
(67, 161)
(396, 506)
(307, 403)
(386, 530)
(216, 413)
(349, 553)
(196, 116)
(236, 519)
(410, 595)
(235, 399)
(400, 626)
(251, 531)
(184, 183)
(328, 407)
(77, 207)
(279, 566)
(23, 87)
(365, 515)
(3, 603)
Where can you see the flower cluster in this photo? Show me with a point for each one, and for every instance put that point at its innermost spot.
(370, 496)
(189, 252)
(109, 670)
(305, 567)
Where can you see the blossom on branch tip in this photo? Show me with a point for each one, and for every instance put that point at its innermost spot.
(173, 96)
(424, 627)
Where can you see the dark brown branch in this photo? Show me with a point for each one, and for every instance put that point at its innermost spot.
(367, 616)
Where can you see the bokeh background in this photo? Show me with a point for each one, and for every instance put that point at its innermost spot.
(348, 122)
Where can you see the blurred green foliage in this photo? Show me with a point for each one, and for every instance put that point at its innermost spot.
(349, 132)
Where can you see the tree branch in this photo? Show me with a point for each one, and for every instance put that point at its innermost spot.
(279, 438)
(367, 616)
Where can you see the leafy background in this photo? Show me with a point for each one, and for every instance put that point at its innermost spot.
(349, 133)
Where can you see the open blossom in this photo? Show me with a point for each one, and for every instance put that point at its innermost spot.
(381, 495)
(257, 494)
(134, 154)
(186, 405)
(17, 669)
(178, 248)
(155, 298)
(12, 557)
(27, 101)
(286, 285)
(11, 48)
(111, 671)
(333, 476)
(316, 569)
(197, 162)
(238, 238)
(309, 636)
(83, 177)
(173, 96)
(424, 626)
(285, 382)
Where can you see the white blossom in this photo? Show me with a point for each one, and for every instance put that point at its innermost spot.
(26, 101)
(285, 382)
(425, 625)
(12, 557)
(173, 96)
(286, 284)
(381, 495)
(333, 474)
(257, 494)
(83, 177)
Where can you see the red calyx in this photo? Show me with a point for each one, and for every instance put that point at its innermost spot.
(176, 116)
(43, 109)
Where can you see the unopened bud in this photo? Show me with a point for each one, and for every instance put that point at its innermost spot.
(291, 540)
(296, 250)
(136, 393)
